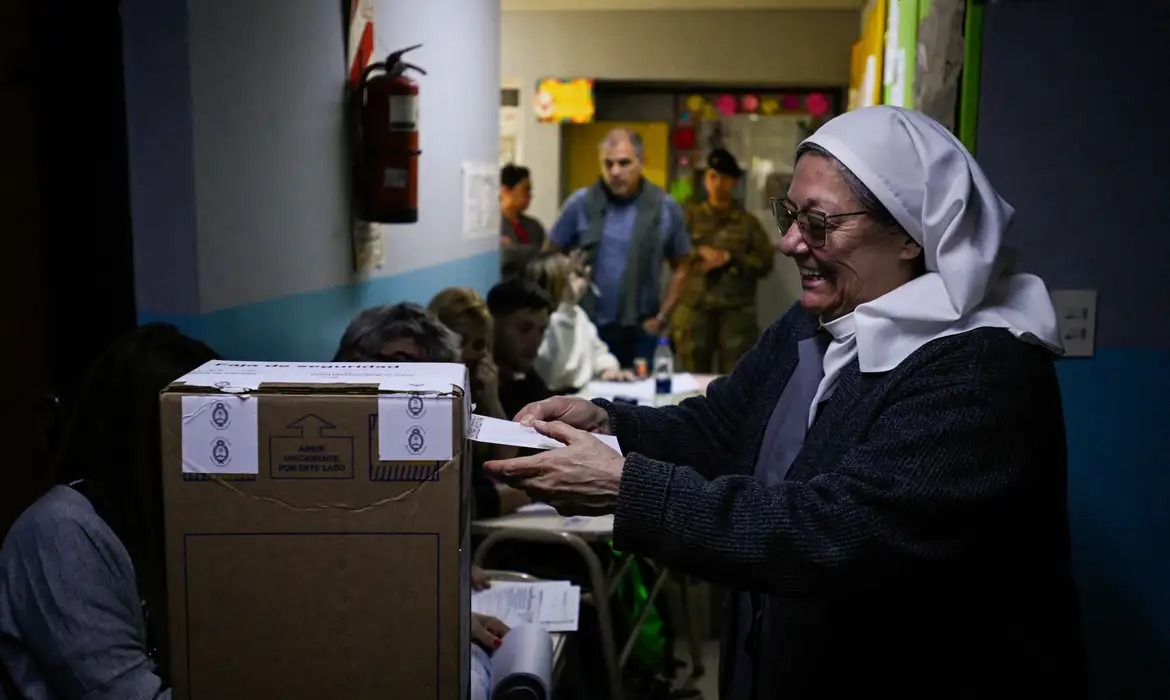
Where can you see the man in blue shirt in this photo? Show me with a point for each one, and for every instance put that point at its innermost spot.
(626, 227)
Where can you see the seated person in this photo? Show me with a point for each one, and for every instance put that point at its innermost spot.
(462, 310)
(409, 333)
(520, 309)
(82, 571)
(572, 353)
(397, 333)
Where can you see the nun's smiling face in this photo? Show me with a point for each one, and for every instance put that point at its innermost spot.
(860, 259)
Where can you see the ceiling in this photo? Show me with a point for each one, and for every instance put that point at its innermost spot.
(584, 5)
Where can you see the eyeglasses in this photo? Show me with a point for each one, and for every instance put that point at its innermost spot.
(814, 225)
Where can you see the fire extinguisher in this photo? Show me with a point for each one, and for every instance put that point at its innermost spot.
(387, 108)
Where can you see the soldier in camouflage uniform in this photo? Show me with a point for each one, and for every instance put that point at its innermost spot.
(716, 314)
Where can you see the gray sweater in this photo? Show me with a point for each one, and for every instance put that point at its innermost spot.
(71, 623)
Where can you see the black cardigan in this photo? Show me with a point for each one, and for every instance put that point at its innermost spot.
(920, 541)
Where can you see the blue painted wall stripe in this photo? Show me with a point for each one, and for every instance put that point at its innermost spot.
(306, 327)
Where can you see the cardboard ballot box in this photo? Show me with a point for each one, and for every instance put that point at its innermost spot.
(317, 530)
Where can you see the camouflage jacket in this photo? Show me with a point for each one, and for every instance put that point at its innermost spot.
(752, 257)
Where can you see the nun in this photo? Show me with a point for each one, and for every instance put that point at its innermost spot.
(880, 482)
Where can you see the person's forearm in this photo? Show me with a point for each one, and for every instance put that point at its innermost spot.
(674, 290)
(753, 264)
(672, 434)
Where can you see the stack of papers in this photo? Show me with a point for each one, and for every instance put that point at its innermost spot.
(553, 605)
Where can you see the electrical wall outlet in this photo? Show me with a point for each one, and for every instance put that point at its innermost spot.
(1076, 318)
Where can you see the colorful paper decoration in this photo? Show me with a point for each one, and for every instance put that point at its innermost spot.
(750, 103)
(684, 117)
(709, 112)
(563, 101)
(684, 161)
(683, 138)
(817, 104)
(726, 105)
(790, 102)
(695, 103)
(770, 106)
(682, 190)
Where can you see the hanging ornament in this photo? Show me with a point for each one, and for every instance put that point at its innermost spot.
(726, 105)
(709, 112)
(749, 103)
(770, 106)
(683, 138)
(695, 103)
(684, 117)
(684, 162)
(817, 104)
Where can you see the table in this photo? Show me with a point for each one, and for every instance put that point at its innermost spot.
(643, 390)
(544, 525)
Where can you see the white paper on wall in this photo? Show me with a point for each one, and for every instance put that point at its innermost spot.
(481, 200)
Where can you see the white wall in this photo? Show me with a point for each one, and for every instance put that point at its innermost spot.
(267, 79)
(238, 165)
(266, 99)
(779, 47)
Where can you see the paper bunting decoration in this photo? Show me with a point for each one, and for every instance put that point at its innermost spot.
(770, 106)
(750, 103)
(683, 138)
(726, 105)
(695, 103)
(790, 102)
(817, 104)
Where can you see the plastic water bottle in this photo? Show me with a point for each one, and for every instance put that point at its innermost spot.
(663, 366)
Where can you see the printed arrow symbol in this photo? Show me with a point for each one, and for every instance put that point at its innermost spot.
(311, 421)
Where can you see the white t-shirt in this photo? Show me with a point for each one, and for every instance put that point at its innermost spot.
(572, 353)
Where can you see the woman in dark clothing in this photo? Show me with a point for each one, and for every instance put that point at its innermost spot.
(82, 571)
(521, 236)
(881, 480)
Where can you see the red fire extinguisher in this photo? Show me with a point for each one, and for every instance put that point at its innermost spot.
(388, 140)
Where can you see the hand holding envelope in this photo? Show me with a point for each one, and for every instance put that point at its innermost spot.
(578, 472)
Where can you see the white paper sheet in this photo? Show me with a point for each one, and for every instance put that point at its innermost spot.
(643, 390)
(481, 200)
(220, 435)
(553, 605)
(506, 432)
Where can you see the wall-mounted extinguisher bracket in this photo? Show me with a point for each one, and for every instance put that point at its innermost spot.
(388, 140)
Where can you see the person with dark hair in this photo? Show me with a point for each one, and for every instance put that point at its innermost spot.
(521, 236)
(82, 571)
(714, 323)
(520, 309)
(407, 332)
(881, 481)
(397, 333)
(627, 228)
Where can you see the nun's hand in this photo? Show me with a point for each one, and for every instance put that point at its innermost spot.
(572, 410)
(581, 478)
